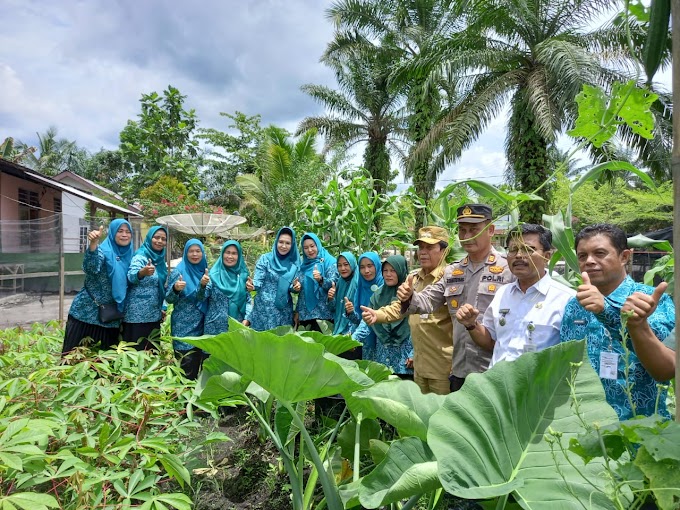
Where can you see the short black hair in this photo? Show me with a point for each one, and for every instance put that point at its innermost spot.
(443, 245)
(615, 234)
(544, 235)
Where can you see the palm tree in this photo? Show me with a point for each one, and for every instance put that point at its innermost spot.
(55, 154)
(534, 54)
(285, 169)
(365, 109)
(406, 29)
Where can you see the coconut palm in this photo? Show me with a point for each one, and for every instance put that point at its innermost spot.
(533, 54)
(364, 109)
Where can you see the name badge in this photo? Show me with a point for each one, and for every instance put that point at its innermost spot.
(609, 365)
(424, 316)
(530, 347)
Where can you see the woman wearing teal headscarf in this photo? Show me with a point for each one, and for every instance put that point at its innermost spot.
(389, 344)
(345, 287)
(317, 274)
(229, 295)
(274, 276)
(146, 290)
(105, 266)
(187, 291)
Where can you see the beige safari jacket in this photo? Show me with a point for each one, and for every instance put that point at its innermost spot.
(430, 332)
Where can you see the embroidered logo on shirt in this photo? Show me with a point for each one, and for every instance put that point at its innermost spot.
(454, 303)
(458, 272)
(464, 261)
(496, 269)
(453, 289)
(491, 259)
(492, 288)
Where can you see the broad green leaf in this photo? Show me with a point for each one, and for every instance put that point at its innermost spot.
(369, 431)
(594, 173)
(29, 501)
(594, 121)
(400, 403)
(11, 461)
(378, 450)
(489, 437)
(334, 344)
(641, 241)
(376, 371)
(633, 106)
(563, 239)
(176, 500)
(268, 359)
(349, 494)
(409, 469)
(223, 386)
(664, 479)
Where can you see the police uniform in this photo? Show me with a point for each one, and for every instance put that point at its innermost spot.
(465, 282)
(462, 283)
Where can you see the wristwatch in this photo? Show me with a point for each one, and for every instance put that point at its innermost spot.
(470, 328)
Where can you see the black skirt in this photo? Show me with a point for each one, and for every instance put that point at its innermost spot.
(141, 334)
(77, 331)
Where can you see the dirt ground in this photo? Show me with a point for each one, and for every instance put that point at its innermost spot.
(26, 308)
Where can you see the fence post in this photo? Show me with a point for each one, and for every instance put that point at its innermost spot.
(62, 284)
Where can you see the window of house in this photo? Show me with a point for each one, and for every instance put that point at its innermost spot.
(83, 239)
(29, 212)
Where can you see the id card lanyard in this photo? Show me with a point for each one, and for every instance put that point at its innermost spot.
(609, 360)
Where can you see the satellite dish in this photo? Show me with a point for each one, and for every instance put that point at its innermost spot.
(202, 224)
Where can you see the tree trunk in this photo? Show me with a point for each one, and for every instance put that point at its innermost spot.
(377, 162)
(528, 158)
(424, 188)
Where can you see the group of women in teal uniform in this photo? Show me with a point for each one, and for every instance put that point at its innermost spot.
(204, 298)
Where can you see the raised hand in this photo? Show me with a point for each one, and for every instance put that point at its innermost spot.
(250, 286)
(589, 296)
(467, 315)
(349, 306)
(331, 291)
(205, 279)
(93, 237)
(147, 270)
(369, 315)
(296, 285)
(405, 290)
(316, 274)
(643, 305)
(179, 284)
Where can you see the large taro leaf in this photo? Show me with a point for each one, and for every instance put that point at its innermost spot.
(489, 437)
(289, 367)
(408, 469)
(400, 403)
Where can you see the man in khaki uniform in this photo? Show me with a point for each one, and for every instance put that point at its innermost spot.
(474, 280)
(431, 331)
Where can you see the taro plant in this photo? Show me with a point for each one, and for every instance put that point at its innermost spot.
(293, 368)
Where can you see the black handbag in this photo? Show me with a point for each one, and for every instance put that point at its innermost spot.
(108, 312)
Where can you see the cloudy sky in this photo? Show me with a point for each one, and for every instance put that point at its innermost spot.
(83, 65)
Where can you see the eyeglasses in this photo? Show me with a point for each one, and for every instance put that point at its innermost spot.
(525, 250)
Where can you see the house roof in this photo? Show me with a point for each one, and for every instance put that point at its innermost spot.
(87, 185)
(29, 175)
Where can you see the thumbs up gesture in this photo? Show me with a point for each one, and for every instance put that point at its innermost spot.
(179, 284)
(405, 290)
(369, 315)
(643, 305)
(147, 270)
(331, 291)
(349, 306)
(249, 284)
(296, 285)
(205, 279)
(589, 296)
(93, 237)
(317, 275)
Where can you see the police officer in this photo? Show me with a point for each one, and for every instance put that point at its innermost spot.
(473, 279)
